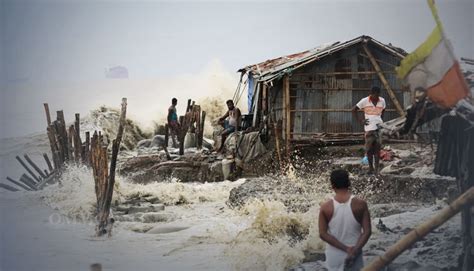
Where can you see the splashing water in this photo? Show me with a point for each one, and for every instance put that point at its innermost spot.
(262, 235)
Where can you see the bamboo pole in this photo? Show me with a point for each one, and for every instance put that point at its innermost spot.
(18, 184)
(201, 131)
(286, 89)
(28, 181)
(77, 139)
(419, 232)
(35, 167)
(48, 115)
(384, 81)
(8, 187)
(188, 107)
(54, 148)
(63, 137)
(184, 130)
(70, 140)
(197, 118)
(86, 156)
(27, 168)
(48, 162)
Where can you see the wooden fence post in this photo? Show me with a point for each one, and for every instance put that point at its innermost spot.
(104, 182)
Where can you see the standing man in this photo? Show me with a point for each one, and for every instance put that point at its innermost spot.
(173, 123)
(373, 107)
(230, 121)
(344, 223)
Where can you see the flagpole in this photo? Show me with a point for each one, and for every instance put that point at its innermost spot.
(434, 12)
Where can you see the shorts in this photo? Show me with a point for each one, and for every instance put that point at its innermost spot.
(228, 129)
(372, 138)
(173, 126)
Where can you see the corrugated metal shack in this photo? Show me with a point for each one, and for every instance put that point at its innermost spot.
(309, 95)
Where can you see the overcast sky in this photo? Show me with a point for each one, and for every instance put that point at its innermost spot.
(72, 42)
(76, 40)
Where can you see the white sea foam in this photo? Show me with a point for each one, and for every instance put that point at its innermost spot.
(74, 194)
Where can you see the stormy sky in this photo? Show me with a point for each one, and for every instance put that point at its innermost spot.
(72, 42)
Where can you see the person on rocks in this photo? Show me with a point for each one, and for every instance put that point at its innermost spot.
(373, 107)
(344, 224)
(173, 123)
(230, 121)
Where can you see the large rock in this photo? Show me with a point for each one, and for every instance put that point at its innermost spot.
(145, 143)
(185, 171)
(158, 141)
(141, 163)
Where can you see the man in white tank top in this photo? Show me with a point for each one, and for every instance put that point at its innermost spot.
(344, 223)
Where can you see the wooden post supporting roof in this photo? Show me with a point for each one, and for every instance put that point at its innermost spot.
(287, 113)
(384, 81)
(264, 98)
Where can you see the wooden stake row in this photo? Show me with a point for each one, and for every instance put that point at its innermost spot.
(66, 145)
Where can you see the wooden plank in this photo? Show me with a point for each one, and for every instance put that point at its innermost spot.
(201, 135)
(86, 156)
(384, 81)
(99, 166)
(27, 168)
(384, 62)
(9, 188)
(18, 184)
(35, 167)
(70, 140)
(48, 115)
(77, 139)
(63, 137)
(264, 99)
(256, 103)
(188, 106)
(197, 119)
(53, 144)
(48, 162)
(184, 130)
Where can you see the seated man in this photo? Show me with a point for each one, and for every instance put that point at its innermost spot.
(230, 121)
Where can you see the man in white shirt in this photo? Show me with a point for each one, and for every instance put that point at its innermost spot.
(373, 107)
